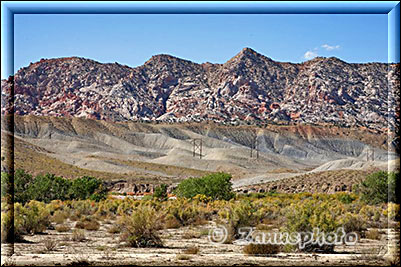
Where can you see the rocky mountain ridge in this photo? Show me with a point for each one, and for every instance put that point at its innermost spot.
(249, 88)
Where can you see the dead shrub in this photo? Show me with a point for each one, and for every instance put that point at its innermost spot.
(62, 228)
(261, 249)
(88, 223)
(191, 250)
(114, 229)
(373, 234)
(78, 235)
(50, 244)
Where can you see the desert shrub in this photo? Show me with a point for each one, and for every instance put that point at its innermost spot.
(88, 223)
(56, 205)
(345, 198)
(83, 207)
(216, 186)
(380, 187)
(393, 211)
(62, 228)
(31, 218)
(183, 257)
(191, 250)
(310, 214)
(171, 222)
(92, 226)
(352, 223)
(201, 199)
(377, 215)
(7, 227)
(191, 234)
(237, 215)
(34, 217)
(140, 228)
(261, 249)
(107, 208)
(161, 192)
(114, 229)
(50, 244)
(59, 216)
(78, 235)
(126, 206)
(183, 211)
(373, 234)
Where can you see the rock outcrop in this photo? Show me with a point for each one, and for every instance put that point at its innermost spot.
(249, 88)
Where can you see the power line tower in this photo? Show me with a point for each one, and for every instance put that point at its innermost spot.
(370, 154)
(254, 148)
(197, 147)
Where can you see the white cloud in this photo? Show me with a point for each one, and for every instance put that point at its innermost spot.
(310, 54)
(330, 47)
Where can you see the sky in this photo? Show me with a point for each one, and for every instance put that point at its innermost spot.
(133, 39)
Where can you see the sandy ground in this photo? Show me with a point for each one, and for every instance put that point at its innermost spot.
(103, 248)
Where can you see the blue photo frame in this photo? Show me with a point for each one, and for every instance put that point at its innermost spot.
(9, 9)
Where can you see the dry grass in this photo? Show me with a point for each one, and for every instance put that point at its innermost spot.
(282, 170)
(62, 228)
(316, 181)
(78, 235)
(191, 234)
(114, 229)
(191, 250)
(182, 257)
(59, 217)
(172, 223)
(88, 223)
(167, 169)
(50, 244)
(261, 249)
(373, 234)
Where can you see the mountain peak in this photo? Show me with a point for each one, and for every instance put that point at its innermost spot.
(166, 59)
(247, 51)
(247, 54)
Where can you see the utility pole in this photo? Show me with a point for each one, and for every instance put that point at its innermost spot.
(370, 154)
(197, 147)
(254, 146)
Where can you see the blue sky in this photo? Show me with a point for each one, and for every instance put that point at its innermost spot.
(133, 39)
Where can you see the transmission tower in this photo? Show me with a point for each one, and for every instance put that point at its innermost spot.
(254, 146)
(370, 154)
(197, 148)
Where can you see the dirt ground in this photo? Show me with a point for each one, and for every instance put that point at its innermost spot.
(103, 248)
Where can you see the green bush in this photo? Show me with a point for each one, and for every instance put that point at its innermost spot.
(345, 198)
(216, 186)
(380, 187)
(87, 188)
(6, 183)
(48, 187)
(22, 182)
(161, 192)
